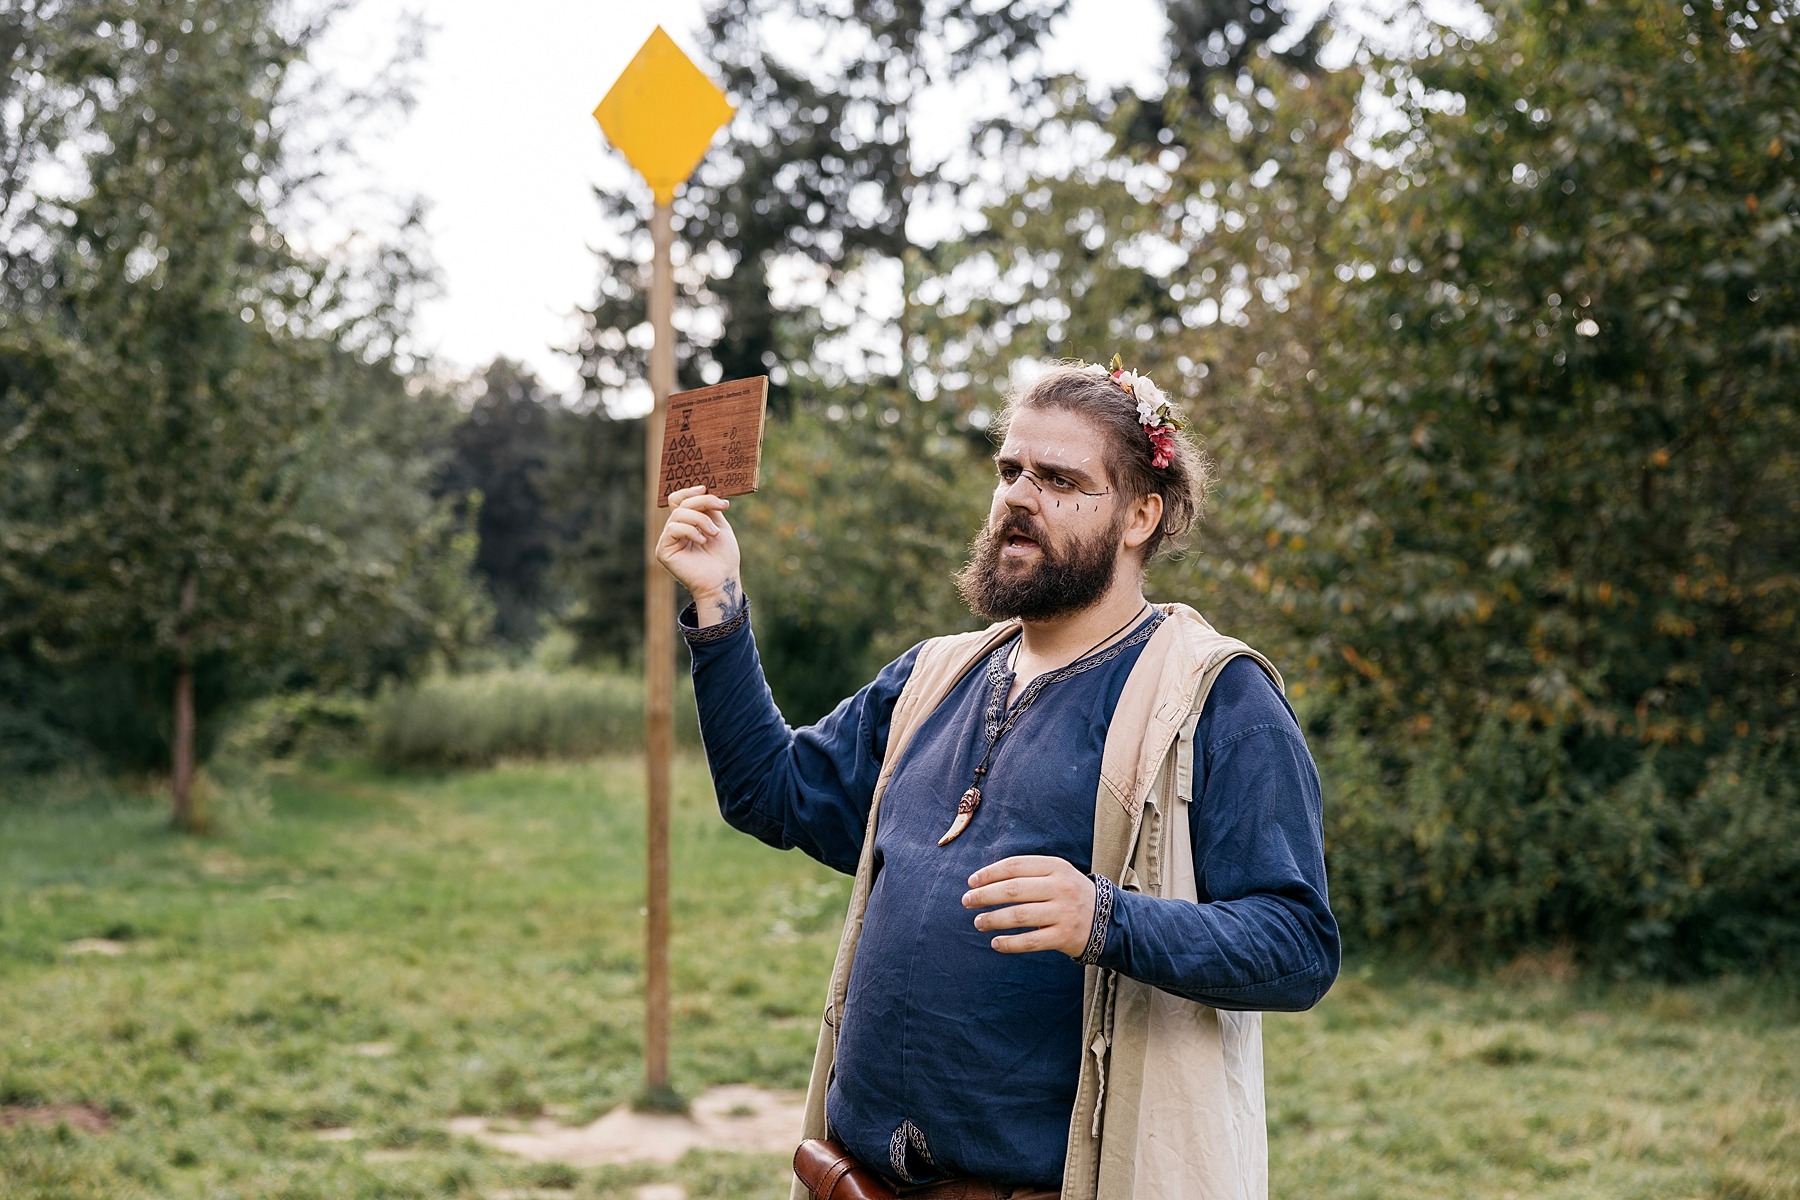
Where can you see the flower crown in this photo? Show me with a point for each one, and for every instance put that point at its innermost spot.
(1154, 411)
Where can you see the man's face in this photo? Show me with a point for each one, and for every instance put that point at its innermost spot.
(1053, 536)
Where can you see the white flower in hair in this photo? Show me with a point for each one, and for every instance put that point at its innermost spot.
(1154, 412)
(1152, 405)
(1153, 408)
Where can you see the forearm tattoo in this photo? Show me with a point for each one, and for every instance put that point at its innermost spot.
(735, 601)
(736, 612)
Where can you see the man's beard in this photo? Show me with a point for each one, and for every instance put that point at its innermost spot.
(1060, 582)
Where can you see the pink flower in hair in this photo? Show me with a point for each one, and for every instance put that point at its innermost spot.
(1155, 414)
(1162, 446)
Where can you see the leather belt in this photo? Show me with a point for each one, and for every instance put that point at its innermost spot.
(830, 1172)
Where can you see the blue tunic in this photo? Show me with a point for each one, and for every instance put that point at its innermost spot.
(954, 1059)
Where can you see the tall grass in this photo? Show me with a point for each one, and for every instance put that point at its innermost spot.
(478, 720)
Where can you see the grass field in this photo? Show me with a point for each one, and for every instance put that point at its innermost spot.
(380, 953)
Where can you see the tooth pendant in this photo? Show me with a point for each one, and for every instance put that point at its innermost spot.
(965, 811)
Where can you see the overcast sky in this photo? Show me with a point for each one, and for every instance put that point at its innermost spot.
(503, 147)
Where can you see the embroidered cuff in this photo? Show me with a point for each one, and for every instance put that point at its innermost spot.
(1103, 906)
(712, 633)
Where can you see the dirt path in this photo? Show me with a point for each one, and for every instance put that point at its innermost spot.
(736, 1117)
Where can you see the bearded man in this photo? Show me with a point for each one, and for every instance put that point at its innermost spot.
(1086, 840)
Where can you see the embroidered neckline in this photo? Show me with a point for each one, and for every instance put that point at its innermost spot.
(1000, 678)
(1000, 719)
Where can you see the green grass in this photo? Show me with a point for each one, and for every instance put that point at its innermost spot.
(486, 927)
(1396, 1088)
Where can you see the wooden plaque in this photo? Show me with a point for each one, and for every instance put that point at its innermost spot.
(713, 435)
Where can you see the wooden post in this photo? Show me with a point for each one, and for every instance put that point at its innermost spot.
(659, 675)
(660, 113)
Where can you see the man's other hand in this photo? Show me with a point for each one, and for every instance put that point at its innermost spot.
(699, 549)
(1045, 895)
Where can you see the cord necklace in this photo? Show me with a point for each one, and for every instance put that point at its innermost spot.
(971, 799)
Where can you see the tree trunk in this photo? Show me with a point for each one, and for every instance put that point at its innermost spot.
(187, 816)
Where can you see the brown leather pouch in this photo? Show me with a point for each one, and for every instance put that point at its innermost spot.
(831, 1173)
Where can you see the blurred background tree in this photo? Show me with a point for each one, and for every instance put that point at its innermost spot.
(215, 471)
(595, 480)
(1496, 345)
(1552, 605)
(557, 492)
(801, 229)
(498, 454)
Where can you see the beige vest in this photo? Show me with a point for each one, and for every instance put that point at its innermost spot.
(1169, 1105)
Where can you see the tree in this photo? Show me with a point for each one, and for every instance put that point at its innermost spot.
(41, 47)
(856, 532)
(594, 482)
(1498, 369)
(212, 451)
(819, 169)
(1571, 534)
(1129, 249)
(499, 452)
(817, 179)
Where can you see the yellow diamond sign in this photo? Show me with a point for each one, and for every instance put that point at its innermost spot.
(662, 113)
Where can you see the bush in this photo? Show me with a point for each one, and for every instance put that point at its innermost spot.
(477, 720)
(1480, 851)
(300, 725)
(1511, 483)
(32, 739)
(850, 545)
(103, 712)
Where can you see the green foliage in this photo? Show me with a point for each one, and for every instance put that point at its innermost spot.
(300, 725)
(1578, 483)
(559, 521)
(1505, 411)
(849, 546)
(214, 463)
(478, 720)
(594, 483)
(111, 713)
(500, 450)
(1481, 847)
(1551, 573)
(32, 737)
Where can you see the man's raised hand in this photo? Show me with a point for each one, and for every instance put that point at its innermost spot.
(1045, 895)
(699, 549)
